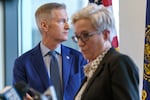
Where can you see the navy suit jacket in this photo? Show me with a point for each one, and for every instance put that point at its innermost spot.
(31, 69)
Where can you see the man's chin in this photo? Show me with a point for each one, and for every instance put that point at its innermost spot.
(63, 40)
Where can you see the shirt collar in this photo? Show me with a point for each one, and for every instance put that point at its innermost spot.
(45, 50)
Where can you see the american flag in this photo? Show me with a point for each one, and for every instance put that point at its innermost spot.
(108, 4)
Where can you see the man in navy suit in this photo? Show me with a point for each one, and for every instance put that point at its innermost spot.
(33, 66)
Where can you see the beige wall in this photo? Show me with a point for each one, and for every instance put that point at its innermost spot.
(132, 29)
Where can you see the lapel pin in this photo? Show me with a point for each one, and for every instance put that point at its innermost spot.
(67, 57)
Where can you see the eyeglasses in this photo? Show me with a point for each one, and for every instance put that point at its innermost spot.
(84, 36)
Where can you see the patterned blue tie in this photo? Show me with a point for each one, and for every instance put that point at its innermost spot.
(55, 76)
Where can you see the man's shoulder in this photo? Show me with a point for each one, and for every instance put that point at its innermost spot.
(71, 50)
(29, 53)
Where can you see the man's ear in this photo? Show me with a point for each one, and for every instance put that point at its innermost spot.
(106, 34)
(44, 26)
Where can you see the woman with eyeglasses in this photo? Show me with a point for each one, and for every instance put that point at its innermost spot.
(110, 75)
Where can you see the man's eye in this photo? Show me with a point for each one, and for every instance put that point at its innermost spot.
(61, 21)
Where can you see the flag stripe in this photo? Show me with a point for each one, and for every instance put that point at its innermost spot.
(115, 41)
(107, 3)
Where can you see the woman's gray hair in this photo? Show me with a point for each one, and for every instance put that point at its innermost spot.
(100, 17)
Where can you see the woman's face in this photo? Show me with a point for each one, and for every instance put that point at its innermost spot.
(92, 46)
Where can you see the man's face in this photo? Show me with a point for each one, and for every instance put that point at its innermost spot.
(58, 27)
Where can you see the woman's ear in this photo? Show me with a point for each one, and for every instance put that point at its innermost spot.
(106, 34)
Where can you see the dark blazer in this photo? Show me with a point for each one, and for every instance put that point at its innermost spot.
(115, 79)
(31, 69)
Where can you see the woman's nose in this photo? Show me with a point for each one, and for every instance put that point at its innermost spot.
(80, 43)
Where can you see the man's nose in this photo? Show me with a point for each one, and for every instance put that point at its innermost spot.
(67, 27)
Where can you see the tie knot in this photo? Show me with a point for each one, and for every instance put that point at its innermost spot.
(52, 53)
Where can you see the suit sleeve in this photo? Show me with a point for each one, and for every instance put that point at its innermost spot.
(18, 72)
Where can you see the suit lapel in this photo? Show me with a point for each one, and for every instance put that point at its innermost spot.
(100, 67)
(66, 65)
(92, 79)
(40, 67)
